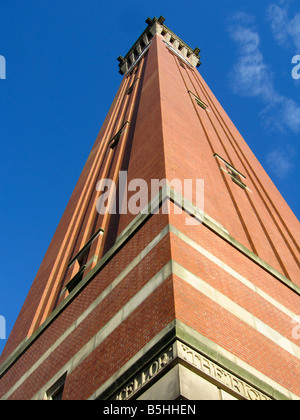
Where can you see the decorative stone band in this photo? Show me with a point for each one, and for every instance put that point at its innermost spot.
(166, 193)
(183, 354)
(218, 375)
(156, 26)
(146, 375)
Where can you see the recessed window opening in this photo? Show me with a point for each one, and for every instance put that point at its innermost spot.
(79, 256)
(181, 64)
(199, 101)
(81, 261)
(235, 175)
(130, 89)
(55, 392)
(115, 140)
(77, 278)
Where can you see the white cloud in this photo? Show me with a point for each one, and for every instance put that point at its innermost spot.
(285, 30)
(291, 115)
(279, 22)
(294, 30)
(252, 76)
(280, 162)
(282, 115)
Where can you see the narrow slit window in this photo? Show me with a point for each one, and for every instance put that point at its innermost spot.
(130, 89)
(115, 140)
(199, 101)
(85, 249)
(55, 392)
(80, 260)
(76, 279)
(181, 64)
(236, 176)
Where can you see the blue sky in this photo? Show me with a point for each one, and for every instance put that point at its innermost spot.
(62, 75)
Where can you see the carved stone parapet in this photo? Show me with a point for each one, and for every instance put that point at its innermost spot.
(157, 27)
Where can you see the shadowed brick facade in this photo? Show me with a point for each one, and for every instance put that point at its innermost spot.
(148, 306)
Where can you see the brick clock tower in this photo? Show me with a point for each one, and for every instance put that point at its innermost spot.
(185, 291)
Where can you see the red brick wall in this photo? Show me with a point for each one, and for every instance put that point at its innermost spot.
(160, 305)
(260, 219)
(217, 324)
(170, 136)
(214, 322)
(173, 299)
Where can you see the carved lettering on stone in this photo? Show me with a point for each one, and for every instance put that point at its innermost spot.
(212, 370)
(209, 369)
(145, 376)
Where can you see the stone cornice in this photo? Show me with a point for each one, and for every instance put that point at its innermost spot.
(157, 27)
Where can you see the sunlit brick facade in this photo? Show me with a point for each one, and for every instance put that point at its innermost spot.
(195, 303)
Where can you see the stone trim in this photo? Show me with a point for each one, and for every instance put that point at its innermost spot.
(111, 325)
(169, 193)
(157, 27)
(178, 271)
(164, 194)
(236, 310)
(232, 272)
(220, 367)
(181, 353)
(146, 375)
(130, 306)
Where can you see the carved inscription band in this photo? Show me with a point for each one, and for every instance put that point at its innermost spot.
(208, 369)
(219, 375)
(146, 375)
